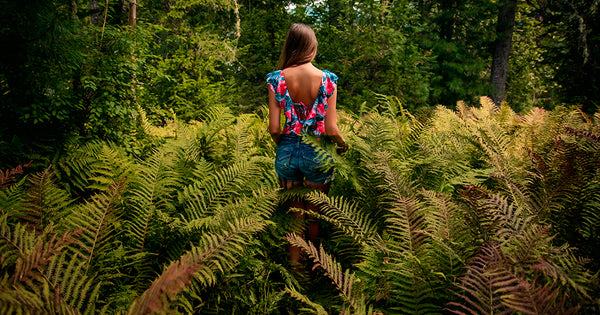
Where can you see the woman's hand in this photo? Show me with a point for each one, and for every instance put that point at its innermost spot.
(341, 148)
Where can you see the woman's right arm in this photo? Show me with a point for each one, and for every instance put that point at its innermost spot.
(331, 127)
(274, 117)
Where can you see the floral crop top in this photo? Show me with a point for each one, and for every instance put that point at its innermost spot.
(299, 117)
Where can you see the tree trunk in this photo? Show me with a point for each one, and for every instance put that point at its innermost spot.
(132, 12)
(96, 12)
(502, 45)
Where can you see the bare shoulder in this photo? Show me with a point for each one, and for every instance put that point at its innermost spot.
(306, 70)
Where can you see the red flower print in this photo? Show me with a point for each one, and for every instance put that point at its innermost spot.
(321, 110)
(297, 127)
(320, 127)
(281, 87)
(329, 86)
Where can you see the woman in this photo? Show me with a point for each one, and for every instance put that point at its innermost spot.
(308, 98)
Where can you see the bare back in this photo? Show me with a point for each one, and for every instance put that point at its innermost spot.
(303, 82)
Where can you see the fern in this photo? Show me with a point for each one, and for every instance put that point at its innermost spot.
(315, 308)
(345, 215)
(94, 165)
(219, 188)
(491, 285)
(14, 241)
(408, 262)
(45, 203)
(240, 142)
(97, 218)
(7, 178)
(343, 280)
(406, 224)
(479, 284)
(215, 253)
(152, 189)
(41, 273)
(34, 258)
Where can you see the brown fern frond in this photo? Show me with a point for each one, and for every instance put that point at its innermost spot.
(590, 136)
(343, 280)
(216, 252)
(7, 178)
(529, 298)
(165, 288)
(30, 264)
(484, 275)
(493, 284)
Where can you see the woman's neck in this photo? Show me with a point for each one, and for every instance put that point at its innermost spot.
(302, 65)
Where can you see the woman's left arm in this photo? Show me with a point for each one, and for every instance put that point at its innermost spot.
(274, 117)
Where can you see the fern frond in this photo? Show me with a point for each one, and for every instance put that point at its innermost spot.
(67, 276)
(153, 188)
(343, 280)
(215, 253)
(226, 184)
(12, 199)
(413, 290)
(96, 165)
(407, 225)
(480, 215)
(36, 257)
(492, 285)
(389, 179)
(240, 142)
(347, 216)
(143, 120)
(480, 282)
(7, 178)
(45, 203)
(533, 299)
(377, 132)
(165, 288)
(446, 225)
(510, 219)
(14, 241)
(97, 218)
(570, 272)
(19, 299)
(316, 308)
(209, 134)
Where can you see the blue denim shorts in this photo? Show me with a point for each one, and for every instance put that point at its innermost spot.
(297, 161)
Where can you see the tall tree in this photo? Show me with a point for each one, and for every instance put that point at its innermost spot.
(502, 45)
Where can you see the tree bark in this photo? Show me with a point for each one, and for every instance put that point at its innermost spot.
(96, 12)
(502, 46)
(132, 13)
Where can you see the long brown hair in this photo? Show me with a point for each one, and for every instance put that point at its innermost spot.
(300, 46)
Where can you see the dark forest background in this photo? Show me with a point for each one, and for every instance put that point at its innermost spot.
(82, 68)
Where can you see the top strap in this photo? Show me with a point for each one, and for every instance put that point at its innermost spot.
(329, 82)
(277, 84)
